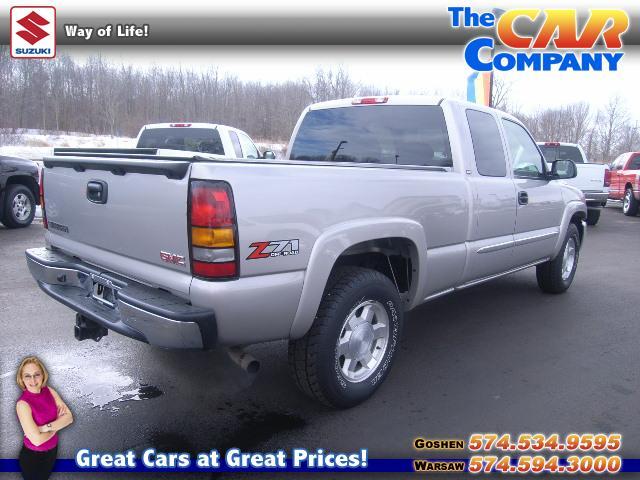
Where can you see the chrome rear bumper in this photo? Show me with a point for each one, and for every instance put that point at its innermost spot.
(131, 308)
(596, 197)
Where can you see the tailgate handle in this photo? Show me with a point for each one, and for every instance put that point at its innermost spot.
(97, 191)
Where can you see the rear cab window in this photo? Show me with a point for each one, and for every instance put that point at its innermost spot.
(561, 152)
(380, 134)
(205, 140)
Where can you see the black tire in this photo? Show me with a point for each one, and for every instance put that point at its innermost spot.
(593, 215)
(550, 274)
(21, 197)
(629, 203)
(314, 359)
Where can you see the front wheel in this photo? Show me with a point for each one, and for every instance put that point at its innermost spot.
(351, 345)
(629, 203)
(555, 276)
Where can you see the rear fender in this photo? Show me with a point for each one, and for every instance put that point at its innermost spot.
(336, 240)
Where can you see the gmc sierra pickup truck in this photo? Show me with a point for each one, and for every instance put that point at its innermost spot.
(592, 178)
(381, 205)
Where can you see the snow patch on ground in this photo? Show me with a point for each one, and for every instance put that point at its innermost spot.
(36, 144)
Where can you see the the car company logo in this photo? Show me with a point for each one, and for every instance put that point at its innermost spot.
(33, 32)
(275, 248)
(542, 40)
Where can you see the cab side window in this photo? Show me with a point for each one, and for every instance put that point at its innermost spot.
(618, 162)
(525, 157)
(635, 163)
(236, 143)
(248, 148)
(487, 144)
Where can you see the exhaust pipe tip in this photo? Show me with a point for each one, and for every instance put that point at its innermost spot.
(244, 360)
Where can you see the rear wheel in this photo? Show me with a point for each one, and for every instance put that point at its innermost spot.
(593, 215)
(555, 276)
(351, 345)
(19, 206)
(629, 203)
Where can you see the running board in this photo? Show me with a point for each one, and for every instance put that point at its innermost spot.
(484, 279)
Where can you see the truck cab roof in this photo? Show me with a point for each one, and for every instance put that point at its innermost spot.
(212, 126)
(405, 100)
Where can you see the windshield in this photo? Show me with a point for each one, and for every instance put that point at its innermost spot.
(563, 152)
(206, 140)
(389, 134)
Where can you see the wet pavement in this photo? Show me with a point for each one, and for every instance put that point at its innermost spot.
(498, 357)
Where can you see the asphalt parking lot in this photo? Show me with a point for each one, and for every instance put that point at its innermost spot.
(500, 357)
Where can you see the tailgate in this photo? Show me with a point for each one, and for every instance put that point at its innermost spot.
(590, 177)
(133, 207)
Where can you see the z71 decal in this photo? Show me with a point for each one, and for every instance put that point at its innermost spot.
(276, 248)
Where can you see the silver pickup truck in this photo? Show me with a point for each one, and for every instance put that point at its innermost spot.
(382, 204)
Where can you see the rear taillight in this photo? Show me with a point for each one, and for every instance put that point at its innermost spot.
(213, 232)
(41, 189)
(607, 177)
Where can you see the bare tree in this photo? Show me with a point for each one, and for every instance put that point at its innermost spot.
(500, 93)
(614, 116)
(577, 119)
(629, 138)
(331, 85)
(97, 97)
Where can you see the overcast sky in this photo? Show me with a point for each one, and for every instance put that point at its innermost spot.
(411, 69)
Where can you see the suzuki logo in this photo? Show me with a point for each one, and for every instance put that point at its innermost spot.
(33, 33)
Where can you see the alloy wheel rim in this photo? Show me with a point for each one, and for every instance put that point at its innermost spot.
(568, 259)
(627, 201)
(363, 341)
(21, 207)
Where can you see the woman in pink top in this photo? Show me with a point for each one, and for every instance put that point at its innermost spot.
(42, 413)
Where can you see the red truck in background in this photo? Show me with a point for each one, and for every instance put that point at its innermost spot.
(625, 182)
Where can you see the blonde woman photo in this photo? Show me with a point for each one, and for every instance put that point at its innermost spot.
(42, 414)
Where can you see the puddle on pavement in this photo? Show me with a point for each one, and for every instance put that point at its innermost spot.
(144, 392)
(99, 385)
(171, 442)
(256, 427)
(104, 386)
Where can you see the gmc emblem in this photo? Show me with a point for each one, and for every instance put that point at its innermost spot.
(172, 258)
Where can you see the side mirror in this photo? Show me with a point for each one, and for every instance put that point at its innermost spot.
(563, 170)
(268, 154)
